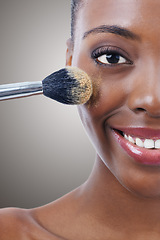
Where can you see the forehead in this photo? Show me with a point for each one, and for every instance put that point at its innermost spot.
(133, 14)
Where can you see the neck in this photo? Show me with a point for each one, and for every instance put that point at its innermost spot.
(114, 203)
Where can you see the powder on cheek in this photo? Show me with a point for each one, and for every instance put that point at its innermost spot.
(96, 85)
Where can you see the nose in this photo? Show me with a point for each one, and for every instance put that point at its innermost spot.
(145, 94)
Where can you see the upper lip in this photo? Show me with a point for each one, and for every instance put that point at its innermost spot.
(140, 132)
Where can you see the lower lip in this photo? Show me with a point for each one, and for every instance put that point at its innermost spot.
(139, 154)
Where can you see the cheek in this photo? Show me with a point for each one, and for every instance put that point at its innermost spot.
(109, 90)
(108, 95)
(107, 99)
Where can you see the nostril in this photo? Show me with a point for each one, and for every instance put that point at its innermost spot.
(140, 109)
(144, 102)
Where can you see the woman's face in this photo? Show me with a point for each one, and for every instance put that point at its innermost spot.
(117, 42)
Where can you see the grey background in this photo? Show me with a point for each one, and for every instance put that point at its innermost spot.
(44, 151)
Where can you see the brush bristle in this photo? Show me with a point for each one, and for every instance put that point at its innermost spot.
(69, 85)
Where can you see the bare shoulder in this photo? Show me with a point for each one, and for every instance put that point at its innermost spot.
(11, 223)
(66, 218)
(19, 224)
(62, 217)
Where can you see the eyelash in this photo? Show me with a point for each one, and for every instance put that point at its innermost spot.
(111, 51)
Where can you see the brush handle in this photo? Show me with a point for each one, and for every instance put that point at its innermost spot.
(20, 90)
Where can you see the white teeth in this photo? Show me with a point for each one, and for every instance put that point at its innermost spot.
(145, 143)
(139, 142)
(130, 139)
(125, 136)
(149, 143)
(157, 144)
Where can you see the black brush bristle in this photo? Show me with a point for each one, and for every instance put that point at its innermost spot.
(68, 85)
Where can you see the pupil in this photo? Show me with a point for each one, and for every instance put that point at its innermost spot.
(112, 58)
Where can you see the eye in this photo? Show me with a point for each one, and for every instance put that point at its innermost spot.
(110, 56)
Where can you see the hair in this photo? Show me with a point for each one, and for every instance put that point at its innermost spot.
(75, 5)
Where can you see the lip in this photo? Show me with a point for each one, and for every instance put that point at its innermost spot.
(138, 154)
(141, 132)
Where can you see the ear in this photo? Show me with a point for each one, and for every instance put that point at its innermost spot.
(69, 52)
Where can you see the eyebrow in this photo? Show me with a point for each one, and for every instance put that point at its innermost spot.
(112, 29)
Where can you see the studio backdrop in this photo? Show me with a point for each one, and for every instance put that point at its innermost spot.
(43, 145)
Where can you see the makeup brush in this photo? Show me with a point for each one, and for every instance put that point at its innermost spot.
(69, 85)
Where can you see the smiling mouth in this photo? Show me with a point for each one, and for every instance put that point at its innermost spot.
(148, 143)
(142, 144)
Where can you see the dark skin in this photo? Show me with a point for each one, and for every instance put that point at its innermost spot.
(121, 198)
